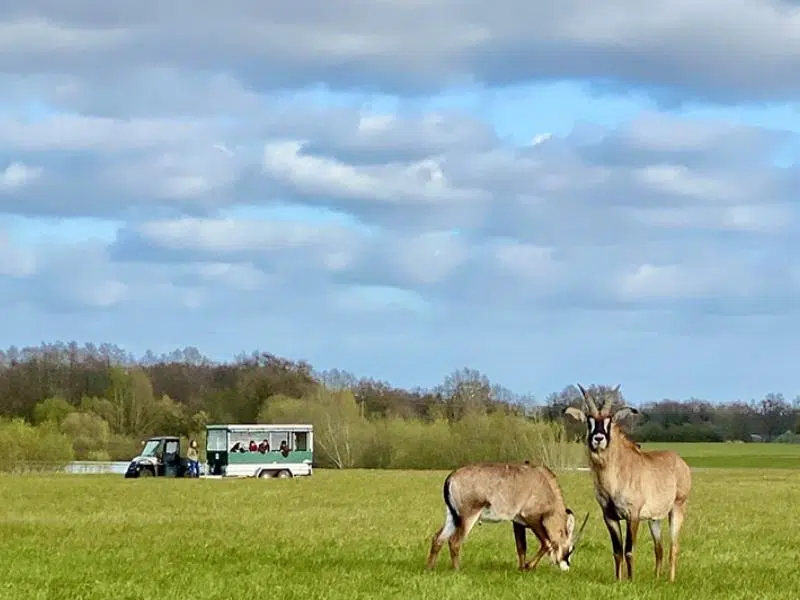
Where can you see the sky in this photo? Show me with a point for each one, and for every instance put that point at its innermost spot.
(550, 193)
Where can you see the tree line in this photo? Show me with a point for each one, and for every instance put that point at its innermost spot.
(64, 401)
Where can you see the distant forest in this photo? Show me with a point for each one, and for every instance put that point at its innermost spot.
(99, 402)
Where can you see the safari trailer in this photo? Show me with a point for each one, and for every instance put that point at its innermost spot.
(259, 450)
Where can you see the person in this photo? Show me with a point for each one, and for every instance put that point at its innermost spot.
(194, 459)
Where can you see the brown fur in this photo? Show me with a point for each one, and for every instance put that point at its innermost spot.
(633, 485)
(527, 495)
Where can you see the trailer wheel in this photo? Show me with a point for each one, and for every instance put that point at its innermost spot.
(284, 474)
(264, 474)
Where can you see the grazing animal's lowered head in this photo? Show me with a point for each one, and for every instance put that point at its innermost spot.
(601, 423)
(564, 542)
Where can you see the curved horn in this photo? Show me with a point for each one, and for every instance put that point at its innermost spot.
(587, 399)
(580, 531)
(610, 398)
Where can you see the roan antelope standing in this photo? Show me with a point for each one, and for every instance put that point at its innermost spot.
(633, 484)
(528, 496)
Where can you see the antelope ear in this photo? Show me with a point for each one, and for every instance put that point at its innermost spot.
(570, 524)
(623, 412)
(575, 413)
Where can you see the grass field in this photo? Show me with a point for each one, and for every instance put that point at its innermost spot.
(743, 456)
(364, 534)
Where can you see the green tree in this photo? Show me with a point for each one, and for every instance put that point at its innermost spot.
(89, 434)
(53, 409)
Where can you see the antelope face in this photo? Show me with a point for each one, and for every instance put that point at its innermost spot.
(599, 421)
(561, 550)
(598, 433)
(561, 553)
(563, 561)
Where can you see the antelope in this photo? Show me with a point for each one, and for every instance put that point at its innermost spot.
(529, 496)
(633, 484)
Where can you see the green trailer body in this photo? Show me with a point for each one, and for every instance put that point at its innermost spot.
(259, 450)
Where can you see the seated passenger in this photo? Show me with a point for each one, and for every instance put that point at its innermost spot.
(284, 449)
(253, 446)
(263, 446)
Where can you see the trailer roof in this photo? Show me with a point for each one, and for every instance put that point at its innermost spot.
(262, 426)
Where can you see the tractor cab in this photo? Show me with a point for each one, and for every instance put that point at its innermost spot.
(160, 457)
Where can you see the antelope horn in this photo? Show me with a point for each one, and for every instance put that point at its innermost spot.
(610, 399)
(588, 400)
(580, 531)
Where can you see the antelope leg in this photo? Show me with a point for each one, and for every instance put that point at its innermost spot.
(521, 542)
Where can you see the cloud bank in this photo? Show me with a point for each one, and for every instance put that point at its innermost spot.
(167, 178)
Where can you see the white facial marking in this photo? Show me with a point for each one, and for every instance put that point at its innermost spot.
(598, 433)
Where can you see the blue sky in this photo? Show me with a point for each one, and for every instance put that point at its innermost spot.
(410, 191)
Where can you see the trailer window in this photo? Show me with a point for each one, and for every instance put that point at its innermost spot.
(301, 441)
(217, 440)
(275, 439)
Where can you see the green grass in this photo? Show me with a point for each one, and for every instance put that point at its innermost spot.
(741, 456)
(363, 534)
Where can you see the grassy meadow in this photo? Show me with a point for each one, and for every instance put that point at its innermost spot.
(365, 534)
(730, 455)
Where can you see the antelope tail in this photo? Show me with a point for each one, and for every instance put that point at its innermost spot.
(448, 500)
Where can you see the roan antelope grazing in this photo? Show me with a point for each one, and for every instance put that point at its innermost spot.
(632, 484)
(528, 496)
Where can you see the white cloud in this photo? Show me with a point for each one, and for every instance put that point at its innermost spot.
(751, 52)
(526, 261)
(662, 282)
(430, 257)
(239, 235)
(770, 218)
(75, 133)
(565, 223)
(18, 174)
(679, 180)
(421, 182)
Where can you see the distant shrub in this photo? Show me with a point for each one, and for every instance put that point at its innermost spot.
(685, 432)
(787, 437)
(345, 439)
(26, 447)
(99, 455)
(121, 447)
(89, 433)
(414, 444)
